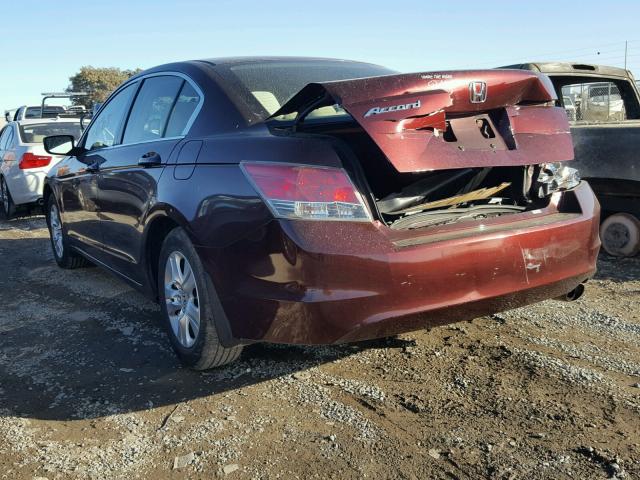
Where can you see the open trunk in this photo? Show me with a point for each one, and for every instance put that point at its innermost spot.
(441, 148)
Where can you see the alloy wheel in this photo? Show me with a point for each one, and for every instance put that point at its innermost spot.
(181, 296)
(56, 230)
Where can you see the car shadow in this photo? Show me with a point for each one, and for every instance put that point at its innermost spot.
(618, 269)
(79, 344)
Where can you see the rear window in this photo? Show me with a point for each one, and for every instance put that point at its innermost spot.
(598, 102)
(261, 88)
(35, 133)
(49, 112)
(32, 112)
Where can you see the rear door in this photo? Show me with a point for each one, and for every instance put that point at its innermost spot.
(128, 178)
(4, 134)
(4, 137)
(8, 153)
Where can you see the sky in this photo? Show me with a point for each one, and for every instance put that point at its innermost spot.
(44, 43)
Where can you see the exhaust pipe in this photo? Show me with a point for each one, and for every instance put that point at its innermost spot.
(573, 295)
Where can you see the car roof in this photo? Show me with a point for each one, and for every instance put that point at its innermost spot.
(571, 68)
(31, 121)
(231, 61)
(269, 59)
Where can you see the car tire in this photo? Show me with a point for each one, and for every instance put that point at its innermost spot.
(190, 305)
(64, 256)
(8, 207)
(620, 235)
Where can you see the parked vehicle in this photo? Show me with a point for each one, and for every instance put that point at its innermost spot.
(294, 201)
(570, 108)
(45, 110)
(29, 113)
(23, 161)
(606, 133)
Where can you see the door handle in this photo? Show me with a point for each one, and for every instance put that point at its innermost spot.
(150, 159)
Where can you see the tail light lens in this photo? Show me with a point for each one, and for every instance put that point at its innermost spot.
(305, 192)
(30, 160)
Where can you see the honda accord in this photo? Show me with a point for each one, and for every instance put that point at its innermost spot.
(316, 201)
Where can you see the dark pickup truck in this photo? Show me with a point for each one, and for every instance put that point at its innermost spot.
(603, 106)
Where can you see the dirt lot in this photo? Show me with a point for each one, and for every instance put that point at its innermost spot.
(89, 388)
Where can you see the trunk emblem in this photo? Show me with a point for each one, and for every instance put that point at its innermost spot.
(392, 108)
(478, 92)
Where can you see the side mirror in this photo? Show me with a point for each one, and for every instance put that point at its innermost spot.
(59, 144)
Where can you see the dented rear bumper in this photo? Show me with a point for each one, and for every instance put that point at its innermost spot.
(332, 282)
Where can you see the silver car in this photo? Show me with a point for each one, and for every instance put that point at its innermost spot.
(23, 161)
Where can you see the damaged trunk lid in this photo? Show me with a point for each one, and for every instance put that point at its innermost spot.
(448, 120)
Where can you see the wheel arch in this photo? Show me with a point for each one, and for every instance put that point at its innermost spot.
(162, 220)
(616, 195)
(47, 191)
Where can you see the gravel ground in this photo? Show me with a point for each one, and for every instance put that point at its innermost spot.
(89, 388)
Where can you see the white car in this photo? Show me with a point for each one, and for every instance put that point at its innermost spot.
(570, 108)
(24, 163)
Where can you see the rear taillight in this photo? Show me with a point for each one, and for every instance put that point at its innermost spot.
(305, 192)
(30, 160)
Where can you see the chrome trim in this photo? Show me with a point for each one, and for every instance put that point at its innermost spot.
(140, 79)
(113, 147)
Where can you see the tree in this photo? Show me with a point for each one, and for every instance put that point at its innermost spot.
(98, 83)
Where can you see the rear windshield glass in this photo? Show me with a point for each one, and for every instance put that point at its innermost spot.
(35, 133)
(32, 112)
(49, 111)
(594, 102)
(261, 88)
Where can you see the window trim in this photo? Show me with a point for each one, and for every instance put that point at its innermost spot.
(140, 81)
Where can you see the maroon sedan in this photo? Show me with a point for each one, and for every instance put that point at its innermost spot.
(316, 201)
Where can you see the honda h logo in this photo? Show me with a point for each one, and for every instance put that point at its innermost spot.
(478, 92)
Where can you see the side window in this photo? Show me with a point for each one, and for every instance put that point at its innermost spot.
(152, 108)
(185, 106)
(105, 128)
(8, 141)
(596, 102)
(3, 137)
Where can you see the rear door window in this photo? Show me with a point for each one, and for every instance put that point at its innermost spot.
(4, 134)
(599, 102)
(186, 104)
(151, 109)
(8, 141)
